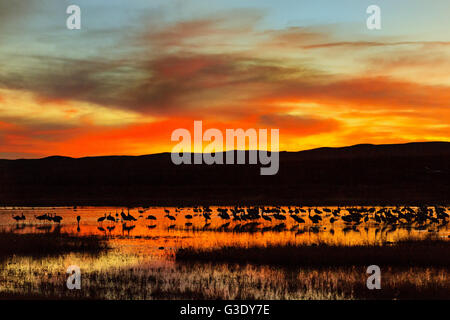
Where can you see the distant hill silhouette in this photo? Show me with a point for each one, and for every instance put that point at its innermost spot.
(362, 174)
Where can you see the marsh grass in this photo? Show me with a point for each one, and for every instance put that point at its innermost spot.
(47, 244)
(404, 253)
(36, 273)
(136, 279)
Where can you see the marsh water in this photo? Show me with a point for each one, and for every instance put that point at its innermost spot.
(148, 247)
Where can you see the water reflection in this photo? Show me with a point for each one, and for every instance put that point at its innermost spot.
(141, 265)
(143, 229)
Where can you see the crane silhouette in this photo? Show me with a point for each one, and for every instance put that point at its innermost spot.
(78, 223)
(130, 217)
(101, 219)
(17, 218)
(41, 217)
(57, 219)
(170, 217)
(315, 218)
(298, 219)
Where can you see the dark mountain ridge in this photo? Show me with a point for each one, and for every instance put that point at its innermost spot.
(411, 173)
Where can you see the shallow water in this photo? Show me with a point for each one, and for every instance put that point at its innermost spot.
(163, 236)
(140, 253)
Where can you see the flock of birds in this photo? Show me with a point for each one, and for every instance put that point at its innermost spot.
(44, 217)
(250, 218)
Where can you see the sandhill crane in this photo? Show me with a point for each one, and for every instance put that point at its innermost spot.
(206, 225)
(224, 214)
(101, 219)
(188, 216)
(298, 219)
(127, 228)
(101, 229)
(57, 219)
(315, 218)
(110, 218)
(41, 217)
(206, 216)
(78, 220)
(170, 217)
(150, 217)
(49, 217)
(130, 217)
(279, 227)
(279, 216)
(224, 226)
(347, 218)
(17, 218)
(377, 218)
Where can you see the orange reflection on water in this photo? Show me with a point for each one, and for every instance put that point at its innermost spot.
(161, 237)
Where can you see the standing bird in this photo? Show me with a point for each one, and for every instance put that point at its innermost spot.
(315, 218)
(130, 217)
(207, 216)
(170, 217)
(101, 219)
(298, 219)
(41, 217)
(57, 219)
(110, 218)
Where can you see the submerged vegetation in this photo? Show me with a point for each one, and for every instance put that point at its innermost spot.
(404, 253)
(48, 244)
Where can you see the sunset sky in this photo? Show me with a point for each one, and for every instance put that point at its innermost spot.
(139, 69)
